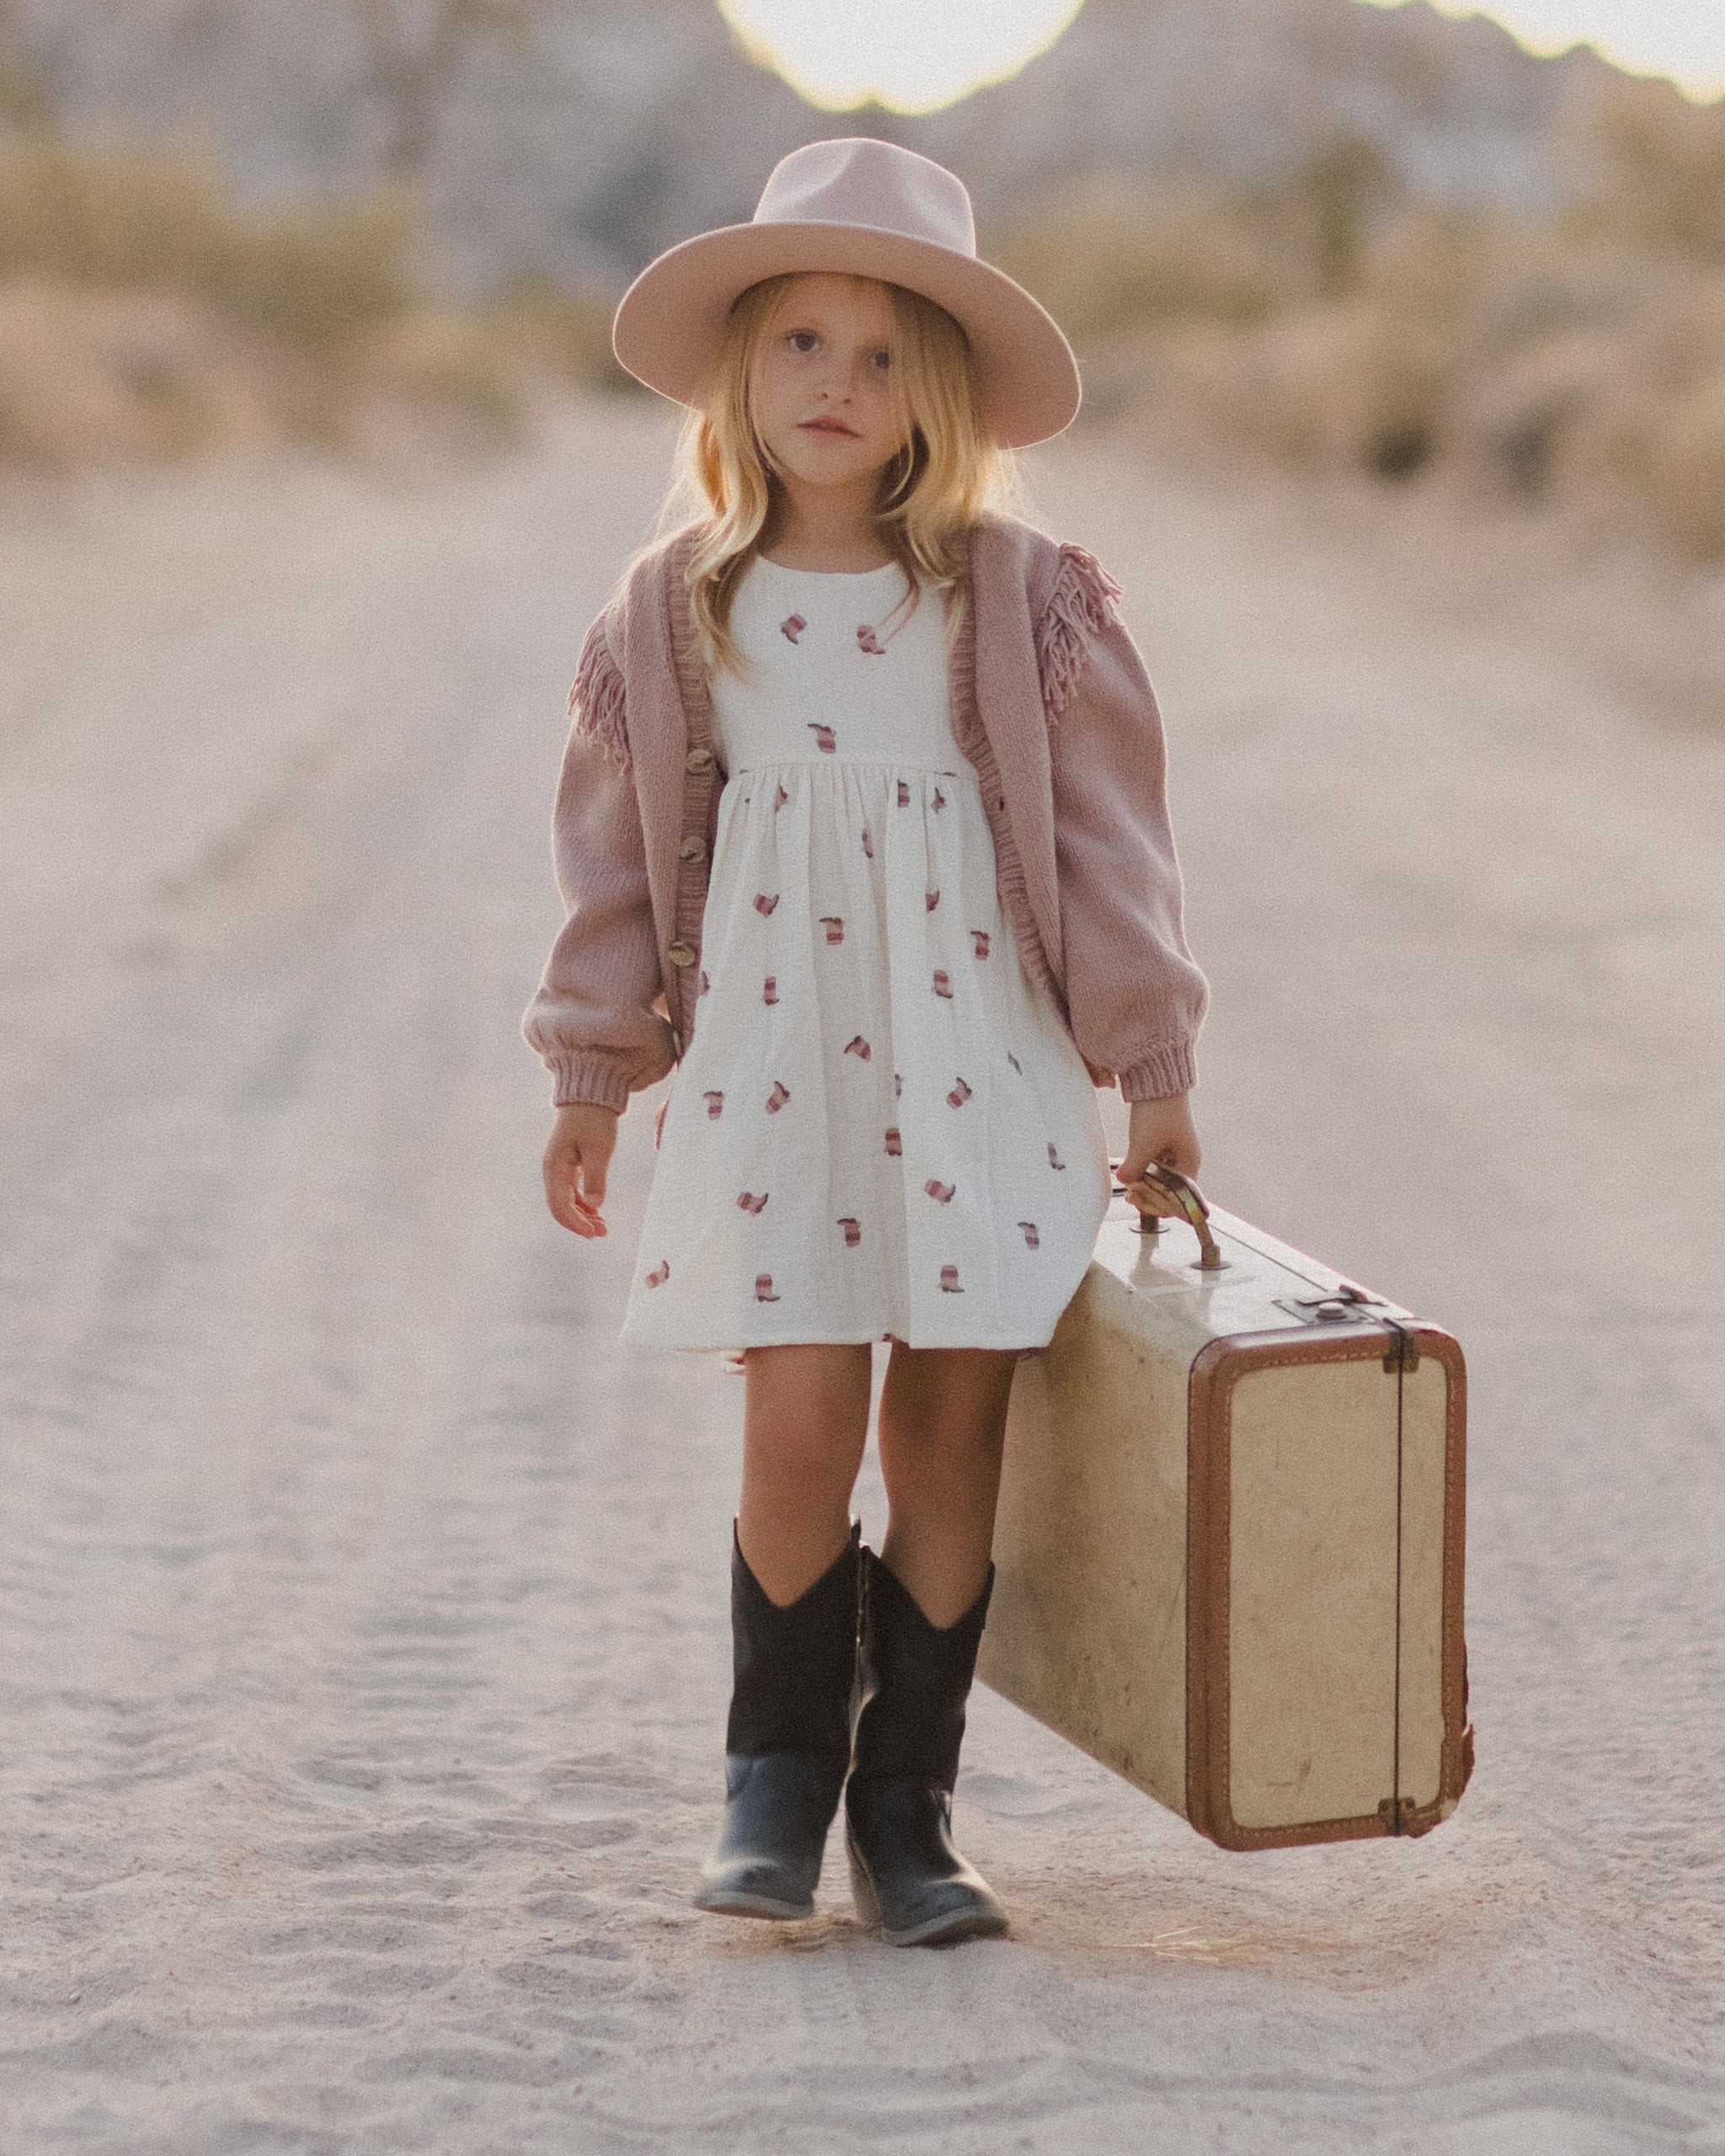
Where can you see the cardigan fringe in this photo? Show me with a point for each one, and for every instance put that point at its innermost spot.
(1081, 606)
(598, 704)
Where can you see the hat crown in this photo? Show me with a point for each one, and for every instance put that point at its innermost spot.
(855, 179)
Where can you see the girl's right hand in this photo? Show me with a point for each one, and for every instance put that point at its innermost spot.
(1162, 1131)
(576, 1156)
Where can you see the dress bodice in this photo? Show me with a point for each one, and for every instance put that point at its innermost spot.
(841, 667)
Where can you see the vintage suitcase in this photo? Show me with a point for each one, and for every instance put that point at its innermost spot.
(1229, 1547)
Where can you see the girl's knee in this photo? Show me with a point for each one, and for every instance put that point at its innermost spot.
(807, 1445)
(957, 1436)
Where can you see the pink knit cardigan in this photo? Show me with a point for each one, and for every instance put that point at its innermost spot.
(1050, 702)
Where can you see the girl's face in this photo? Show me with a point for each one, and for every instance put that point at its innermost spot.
(822, 385)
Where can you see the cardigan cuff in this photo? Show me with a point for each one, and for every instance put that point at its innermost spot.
(590, 1077)
(1170, 1067)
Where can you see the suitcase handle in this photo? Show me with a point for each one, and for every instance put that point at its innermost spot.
(1163, 1194)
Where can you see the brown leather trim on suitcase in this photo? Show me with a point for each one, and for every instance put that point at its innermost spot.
(1456, 1760)
(1215, 1371)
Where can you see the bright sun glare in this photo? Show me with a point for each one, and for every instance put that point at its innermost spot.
(916, 55)
(913, 55)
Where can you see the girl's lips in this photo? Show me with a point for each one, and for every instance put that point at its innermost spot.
(829, 427)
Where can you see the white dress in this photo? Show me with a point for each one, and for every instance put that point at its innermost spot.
(880, 1126)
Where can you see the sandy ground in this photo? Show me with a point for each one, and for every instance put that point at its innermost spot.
(363, 1658)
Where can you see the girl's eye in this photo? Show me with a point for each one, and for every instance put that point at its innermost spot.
(806, 340)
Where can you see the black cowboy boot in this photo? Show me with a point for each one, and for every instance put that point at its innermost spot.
(787, 1741)
(906, 1874)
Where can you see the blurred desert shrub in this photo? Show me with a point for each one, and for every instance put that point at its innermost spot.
(313, 276)
(1647, 169)
(1336, 323)
(143, 312)
(1109, 259)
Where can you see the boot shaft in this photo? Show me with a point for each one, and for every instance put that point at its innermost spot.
(794, 1668)
(914, 1680)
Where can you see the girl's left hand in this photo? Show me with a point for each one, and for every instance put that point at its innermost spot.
(1162, 1131)
(577, 1154)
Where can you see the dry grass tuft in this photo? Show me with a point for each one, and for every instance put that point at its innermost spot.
(87, 376)
(1337, 326)
(143, 314)
(1112, 259)
(117, 220)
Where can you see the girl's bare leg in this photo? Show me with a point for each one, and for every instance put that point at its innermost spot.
(942, 1422)
(804, 1424)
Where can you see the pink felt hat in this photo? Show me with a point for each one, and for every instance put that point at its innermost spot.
(866, 209)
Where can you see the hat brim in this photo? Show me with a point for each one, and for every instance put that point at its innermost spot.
(671, 323)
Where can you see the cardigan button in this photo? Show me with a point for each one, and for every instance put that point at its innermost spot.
(682, 954)
(693, 847)
(698, 760)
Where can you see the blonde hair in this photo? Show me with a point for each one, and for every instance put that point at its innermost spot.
(931, 492)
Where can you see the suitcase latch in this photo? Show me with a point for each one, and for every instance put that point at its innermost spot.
(1334, 1307)
(1402, 1353)
(1396, 1812)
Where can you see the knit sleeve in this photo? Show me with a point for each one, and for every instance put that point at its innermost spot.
(1135, 997)
(598, 1020)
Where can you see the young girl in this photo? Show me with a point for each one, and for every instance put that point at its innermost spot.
(861, 825)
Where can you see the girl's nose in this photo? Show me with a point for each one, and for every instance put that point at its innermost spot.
(842, 375)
